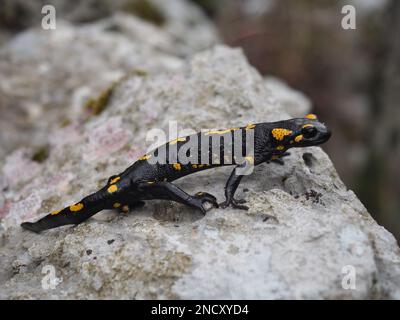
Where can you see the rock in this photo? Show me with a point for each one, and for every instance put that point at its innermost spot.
(187, 24)
(181, 19)
(51, 74)
(293, 102)
(303, 232)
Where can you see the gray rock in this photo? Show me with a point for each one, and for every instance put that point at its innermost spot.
(50, 74)
(304, 228)
(181, 19)
(293, 102)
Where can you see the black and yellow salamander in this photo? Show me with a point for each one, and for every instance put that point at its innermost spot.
(147, 179)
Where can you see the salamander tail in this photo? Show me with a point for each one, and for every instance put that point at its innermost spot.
(74, 214)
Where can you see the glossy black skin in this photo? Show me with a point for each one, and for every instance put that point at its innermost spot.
(144, 180)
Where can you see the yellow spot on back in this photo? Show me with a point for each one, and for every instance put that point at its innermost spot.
(280, 147)
(200, 165)
(115, 180)
(177, 166)
(145, 157)
(112, 188)
(176, 140)
(150, 182)
(116, 205)
(280, 133)
(56, 212)
(250, 126)
(311, 116)
(221, 131)
(307, 125)
(76, 207)
(298, 138)
(250, 159)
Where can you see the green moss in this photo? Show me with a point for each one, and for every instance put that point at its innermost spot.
(140, 72)
(65, 122)
(146, 10)
(41, 154)
(95, 106)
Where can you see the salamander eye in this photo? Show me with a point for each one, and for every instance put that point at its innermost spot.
(309, 132)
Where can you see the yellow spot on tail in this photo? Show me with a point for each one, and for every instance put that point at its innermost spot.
(311, 116)
(56, 212)
(150, 182)
(177, 166)
(250, 159)
(112, 188)
(250, 126)
(280, 134)
(220, 131)
(298, 138)
(280, 147)
(307, 125)
(76, 207)
(176, 140)
(200, 165)
(116, 205)
(125, 208)
(145, 157)
(115, 180)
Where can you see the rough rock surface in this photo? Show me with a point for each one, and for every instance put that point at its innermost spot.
(180, 19)
(302, 228)
(50, 74)
(293, 102)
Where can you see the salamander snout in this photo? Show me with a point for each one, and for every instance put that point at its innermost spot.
(310, 132)
(324, 135)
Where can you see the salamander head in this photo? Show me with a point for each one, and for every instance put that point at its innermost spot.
(299, 132)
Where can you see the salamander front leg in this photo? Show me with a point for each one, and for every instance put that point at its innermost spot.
(230, 189)
(169, 191)
(278, 159)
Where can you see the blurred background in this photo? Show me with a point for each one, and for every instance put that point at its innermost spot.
(351, 76)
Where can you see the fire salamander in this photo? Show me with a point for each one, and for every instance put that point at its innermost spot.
(147, 180)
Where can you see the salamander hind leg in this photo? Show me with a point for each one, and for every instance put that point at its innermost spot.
(169, 191)
(206, 197)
